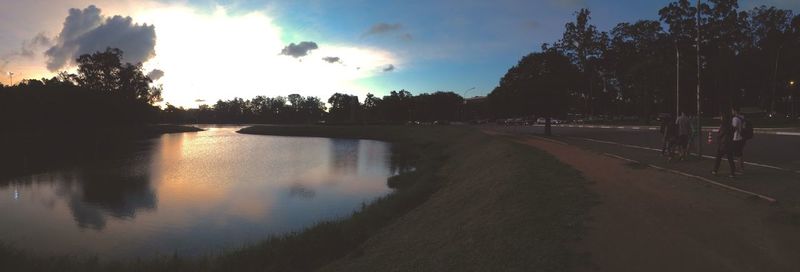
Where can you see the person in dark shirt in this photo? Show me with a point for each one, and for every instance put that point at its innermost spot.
(684, 132)
(725, 145)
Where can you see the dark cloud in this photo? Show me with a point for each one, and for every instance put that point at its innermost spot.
(87, 31)
(155, 74)
(29, 47)
(332, 59)
(382, 28)
(199, 100)
(299, 50)
(388, 68)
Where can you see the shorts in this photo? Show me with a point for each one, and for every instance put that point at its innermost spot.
(738, 148)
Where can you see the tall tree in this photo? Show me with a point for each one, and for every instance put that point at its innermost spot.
(541, 82)
(582, 42)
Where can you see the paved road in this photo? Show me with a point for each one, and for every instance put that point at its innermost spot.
(776, 175)
(781, 151)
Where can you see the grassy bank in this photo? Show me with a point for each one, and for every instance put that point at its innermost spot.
(482, 202)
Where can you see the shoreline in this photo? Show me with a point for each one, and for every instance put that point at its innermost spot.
(452, 164)
(29, 150)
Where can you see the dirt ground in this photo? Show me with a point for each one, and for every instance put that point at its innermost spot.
(651, 220)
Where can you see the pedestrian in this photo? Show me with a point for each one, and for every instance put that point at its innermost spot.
(725, 145)
(684, 131)
(671, 138)
(666, 121)
(738, 122)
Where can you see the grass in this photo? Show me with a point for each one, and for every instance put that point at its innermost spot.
(520, 207)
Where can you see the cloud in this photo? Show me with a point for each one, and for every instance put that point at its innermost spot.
(388, 68)
(200, 100)
(407, 37)
(382, 28)
(29, 47)
(155, 74)
(87, 31)
(299, 50)
(332, 59)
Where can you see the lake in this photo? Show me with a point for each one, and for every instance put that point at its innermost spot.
(191, 194)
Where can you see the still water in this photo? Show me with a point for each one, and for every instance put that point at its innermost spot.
(190, 194)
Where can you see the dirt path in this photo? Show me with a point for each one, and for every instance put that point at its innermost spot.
(650, 220)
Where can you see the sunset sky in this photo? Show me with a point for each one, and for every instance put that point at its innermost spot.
(202, 51)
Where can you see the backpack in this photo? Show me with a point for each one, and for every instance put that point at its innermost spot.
(747, 129)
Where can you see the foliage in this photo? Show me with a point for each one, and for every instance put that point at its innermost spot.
(747, 60)
(105, 91)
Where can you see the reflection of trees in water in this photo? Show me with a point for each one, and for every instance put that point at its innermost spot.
(117, 188)
(111, 182)
(29, 153)
(301, 191)
(402, 158)
(344, 155)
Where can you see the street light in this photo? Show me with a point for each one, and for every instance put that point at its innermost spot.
(791, 98)
(699, 115)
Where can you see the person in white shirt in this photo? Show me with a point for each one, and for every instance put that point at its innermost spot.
(738, 141)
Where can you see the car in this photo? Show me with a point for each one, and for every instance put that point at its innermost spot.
(541, 120)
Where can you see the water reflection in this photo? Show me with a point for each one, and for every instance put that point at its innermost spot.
(190, 193)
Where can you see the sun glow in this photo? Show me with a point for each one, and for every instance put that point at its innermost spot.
(208, 56)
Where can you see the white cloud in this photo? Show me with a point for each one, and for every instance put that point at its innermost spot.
(223, 55)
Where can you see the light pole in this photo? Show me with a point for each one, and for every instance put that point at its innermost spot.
(699, 115)
(791, 98)
(677, 80)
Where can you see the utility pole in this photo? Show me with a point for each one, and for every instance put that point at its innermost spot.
(677, 81)
(699, 124)
(791, 98)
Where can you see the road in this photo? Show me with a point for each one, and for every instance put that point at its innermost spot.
(781, 151)
(773, 169)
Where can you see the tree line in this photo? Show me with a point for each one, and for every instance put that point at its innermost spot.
(105, 91)
(748, 58)
(397, 107)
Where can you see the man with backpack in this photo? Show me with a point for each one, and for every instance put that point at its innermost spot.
(742, 131)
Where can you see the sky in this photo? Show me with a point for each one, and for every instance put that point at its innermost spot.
(204, 50)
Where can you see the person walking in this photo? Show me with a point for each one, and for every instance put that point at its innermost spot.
(684, 131)
(725, 145)
(738, 123)
(666, 122)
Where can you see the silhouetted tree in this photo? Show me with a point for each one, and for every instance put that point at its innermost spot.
(539, 84)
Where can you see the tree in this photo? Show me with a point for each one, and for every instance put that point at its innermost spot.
(583, 44)
(541, 83)
(637, 55)
(105, 72)
(344, 107)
